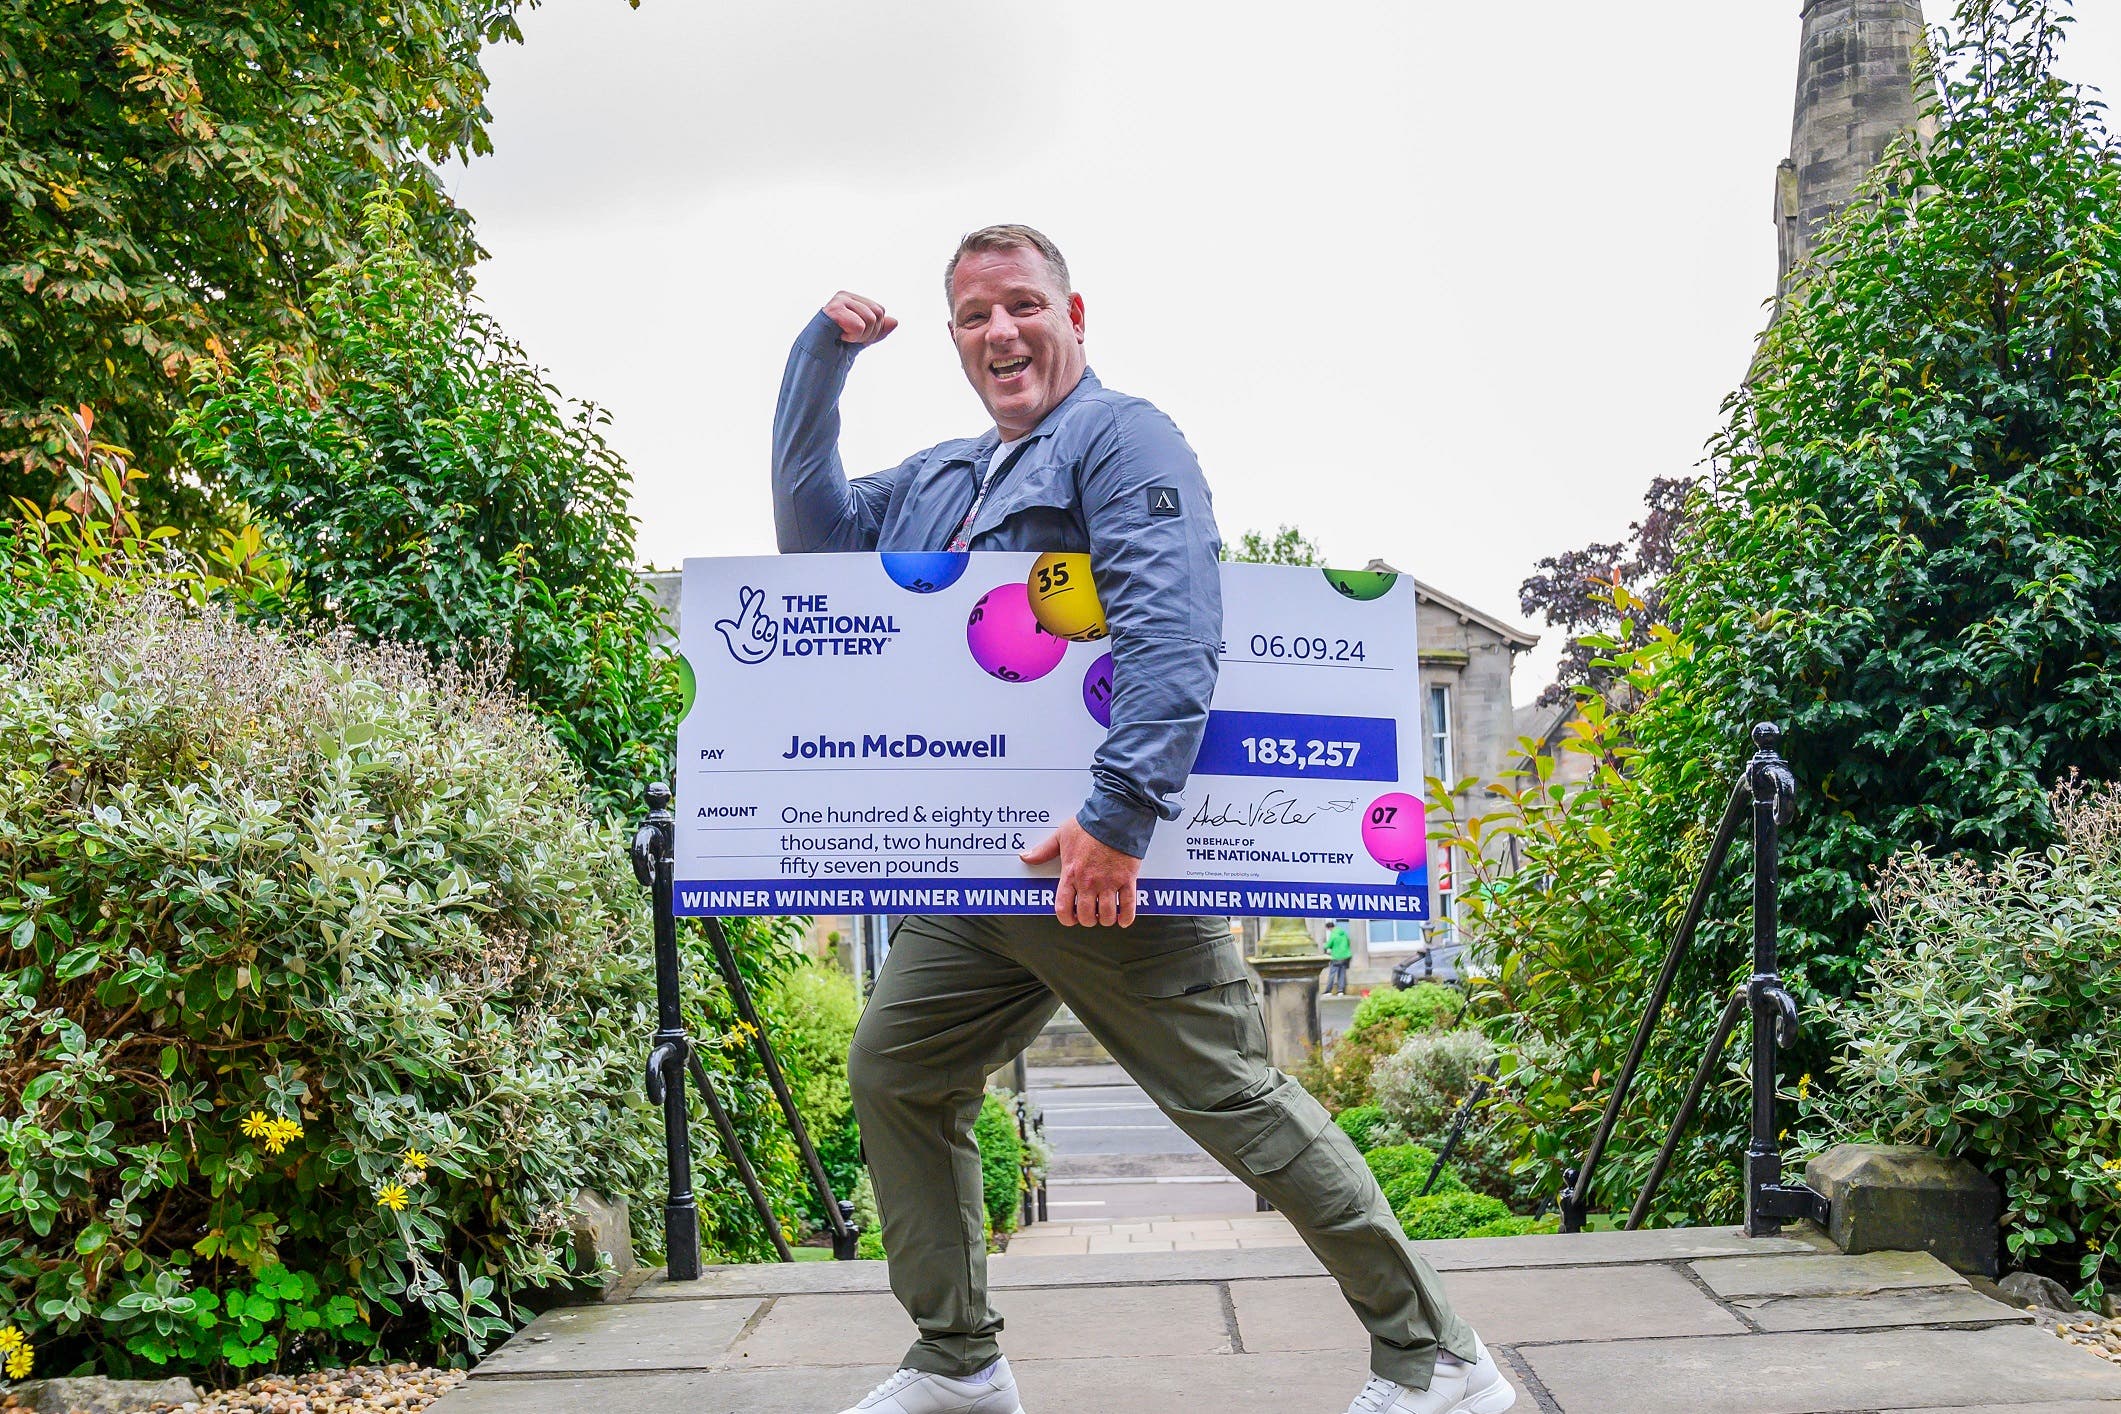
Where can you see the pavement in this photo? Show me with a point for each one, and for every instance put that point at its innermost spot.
(1678, 1321)
(1117, 1158)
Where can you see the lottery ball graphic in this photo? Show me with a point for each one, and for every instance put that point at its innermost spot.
(1097, 691)
(688, 685)
(1064, 598)
(1362, 585)
(1395, 831)
(925, 571)
(1006, 639)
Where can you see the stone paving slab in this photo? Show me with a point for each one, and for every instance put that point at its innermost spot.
(1477, 1254)
(664, 1336)
(1810, 1374)
(1939, 1306)
(1750, 1278)
(1053, 1324)
(1506, 1307)
(1229, 1384)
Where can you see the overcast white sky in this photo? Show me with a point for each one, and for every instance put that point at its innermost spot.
(1443, 283)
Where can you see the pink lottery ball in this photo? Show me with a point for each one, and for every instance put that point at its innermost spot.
(1006, 639)
(1395, 831)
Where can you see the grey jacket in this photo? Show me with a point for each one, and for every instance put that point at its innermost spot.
(1104, 473)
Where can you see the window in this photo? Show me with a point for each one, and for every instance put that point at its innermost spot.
(1438, 763)
(1394, 934)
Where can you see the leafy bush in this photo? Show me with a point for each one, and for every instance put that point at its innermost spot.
(1425, 1006)
(811, 1012)
(1910, 557)
(1360, 1125)
(1401, 1169)
(435, 490)
(1338, 1072)
(1420, 1088)
(311, 960)
(1441, 1216)
(1001, 1161)
(869, 1239)
(1991, 1028)
(1516, 1226)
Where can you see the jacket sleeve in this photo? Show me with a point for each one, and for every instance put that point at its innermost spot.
(1161, 590)
(815, 506)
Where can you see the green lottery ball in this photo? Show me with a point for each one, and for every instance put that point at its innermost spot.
(1362, 585)
(688, 685)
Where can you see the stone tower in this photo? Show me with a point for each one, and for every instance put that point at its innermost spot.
(1856, 78)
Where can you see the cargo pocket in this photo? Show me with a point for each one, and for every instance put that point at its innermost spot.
(1295, 1162)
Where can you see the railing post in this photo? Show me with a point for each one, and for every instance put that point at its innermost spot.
(654, 863)
(1769, 1203)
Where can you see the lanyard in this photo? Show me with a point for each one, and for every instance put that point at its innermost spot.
(963, 539)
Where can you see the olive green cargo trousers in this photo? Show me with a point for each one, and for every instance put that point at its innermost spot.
(1171, 1000)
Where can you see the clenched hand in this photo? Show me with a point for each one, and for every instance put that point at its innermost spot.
(861, 320)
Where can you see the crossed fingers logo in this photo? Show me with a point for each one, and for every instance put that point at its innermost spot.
(750, 635)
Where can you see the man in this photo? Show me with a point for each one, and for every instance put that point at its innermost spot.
(1338, 951)
(1072, 465)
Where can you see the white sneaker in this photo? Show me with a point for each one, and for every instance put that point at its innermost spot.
(1458, 1388)
(918, 1392)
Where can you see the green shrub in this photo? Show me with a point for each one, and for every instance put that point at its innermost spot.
(1420, 1088)
(1991, 1028)
(1425, 1006)
(869, 1239)
(1516, 1226)
(1338, 1072)
(428, 486)
(811, 1012)
(1360, 1125)
(312, 962)
(1401, 1169)
(1001, 1161)
(1447, 1215)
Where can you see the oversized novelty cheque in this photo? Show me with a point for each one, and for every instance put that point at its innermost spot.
(883, 733)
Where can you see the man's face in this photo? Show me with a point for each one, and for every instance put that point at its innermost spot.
(1019, 337)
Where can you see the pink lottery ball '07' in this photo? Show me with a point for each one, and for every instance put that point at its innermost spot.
(1395, 831)
(1005, 637)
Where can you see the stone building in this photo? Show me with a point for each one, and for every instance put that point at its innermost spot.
(1858, 65)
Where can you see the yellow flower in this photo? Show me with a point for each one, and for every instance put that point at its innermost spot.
(279, 1133)
(391, 1196)
(18, 1364)
(256, 1125)
(414, 1159)
(10, 1340)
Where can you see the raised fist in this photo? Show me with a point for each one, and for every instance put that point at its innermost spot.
(861, 321)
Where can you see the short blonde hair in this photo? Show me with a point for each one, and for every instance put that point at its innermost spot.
(1008, 238)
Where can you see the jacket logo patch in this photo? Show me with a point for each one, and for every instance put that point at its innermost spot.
(1163, 501)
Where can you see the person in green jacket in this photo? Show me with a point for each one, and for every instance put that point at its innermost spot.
(1340, 950)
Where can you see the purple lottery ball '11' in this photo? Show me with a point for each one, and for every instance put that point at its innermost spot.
(1005, 637)
(1097, 691)
(1395, 831)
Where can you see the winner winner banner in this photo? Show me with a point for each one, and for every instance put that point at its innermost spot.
(883, 733)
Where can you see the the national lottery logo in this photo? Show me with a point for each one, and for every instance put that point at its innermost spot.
(801, 626)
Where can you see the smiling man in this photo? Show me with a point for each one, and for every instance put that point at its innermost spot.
(1072, 465)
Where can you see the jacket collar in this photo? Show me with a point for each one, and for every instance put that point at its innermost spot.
(980, 448)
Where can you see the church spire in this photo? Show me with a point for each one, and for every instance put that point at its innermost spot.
(1855, 94)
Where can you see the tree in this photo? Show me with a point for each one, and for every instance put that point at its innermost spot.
(435, 490)
(173, 179)
(1289, 546)
(1574, 591)
(1913, 558)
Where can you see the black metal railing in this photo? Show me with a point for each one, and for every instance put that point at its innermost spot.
(671, 1056)
(1768, 792)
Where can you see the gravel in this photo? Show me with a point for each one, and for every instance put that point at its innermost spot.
(365, 1389)
(2101, 1335)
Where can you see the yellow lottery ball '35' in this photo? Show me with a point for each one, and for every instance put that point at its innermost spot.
(1063, 597)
